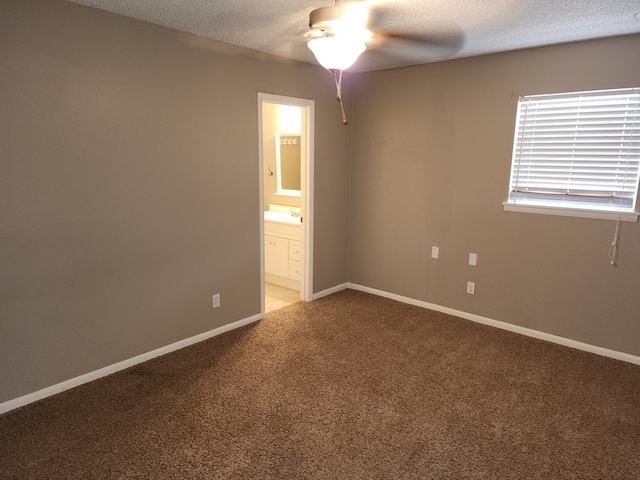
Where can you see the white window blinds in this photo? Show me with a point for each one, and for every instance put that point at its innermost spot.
(577, 150)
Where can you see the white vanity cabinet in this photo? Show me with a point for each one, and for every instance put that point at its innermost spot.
(276, 255)
(282, 254)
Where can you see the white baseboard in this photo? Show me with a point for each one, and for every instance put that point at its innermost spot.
(103, 372)
(329, 291)
(88, 377)
(567, 342)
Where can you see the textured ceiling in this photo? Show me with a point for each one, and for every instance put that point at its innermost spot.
(446, 28)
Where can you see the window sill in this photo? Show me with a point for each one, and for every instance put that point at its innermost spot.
(571, 212)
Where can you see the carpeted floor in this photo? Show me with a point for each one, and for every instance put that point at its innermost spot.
(349, 386)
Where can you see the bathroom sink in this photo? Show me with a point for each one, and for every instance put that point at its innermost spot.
(281, 217)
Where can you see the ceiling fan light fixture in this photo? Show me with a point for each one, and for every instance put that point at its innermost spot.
(339, 51)
(337, 38)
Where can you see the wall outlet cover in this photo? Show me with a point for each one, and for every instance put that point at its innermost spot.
(471, 288)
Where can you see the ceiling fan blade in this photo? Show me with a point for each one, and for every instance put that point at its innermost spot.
(395, 39)
(433, 46)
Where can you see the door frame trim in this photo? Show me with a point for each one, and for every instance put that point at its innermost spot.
(307, 194)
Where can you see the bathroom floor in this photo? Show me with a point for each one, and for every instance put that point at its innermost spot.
(276, 297)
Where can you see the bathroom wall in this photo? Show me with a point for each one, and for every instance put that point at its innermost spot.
(270, 126)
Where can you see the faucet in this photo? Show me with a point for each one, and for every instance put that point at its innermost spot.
(294, 213)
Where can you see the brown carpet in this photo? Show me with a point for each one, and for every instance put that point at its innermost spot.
(349, 386)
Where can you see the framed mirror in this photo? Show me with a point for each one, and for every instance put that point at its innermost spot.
(288, 164)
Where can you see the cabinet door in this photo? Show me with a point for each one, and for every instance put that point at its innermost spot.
(276, 255)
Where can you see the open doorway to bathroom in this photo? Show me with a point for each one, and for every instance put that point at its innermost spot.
(286, 200)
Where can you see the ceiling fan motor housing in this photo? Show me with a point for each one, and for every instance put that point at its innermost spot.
(327, 18)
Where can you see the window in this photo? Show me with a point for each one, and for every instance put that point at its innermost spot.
(577, 154)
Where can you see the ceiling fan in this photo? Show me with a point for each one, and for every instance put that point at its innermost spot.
(341, 32)
(338, 35)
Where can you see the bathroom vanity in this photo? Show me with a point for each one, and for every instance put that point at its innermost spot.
(283, 248)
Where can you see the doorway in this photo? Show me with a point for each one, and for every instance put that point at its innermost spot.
(286, 134)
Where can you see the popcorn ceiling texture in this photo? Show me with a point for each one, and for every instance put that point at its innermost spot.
(450, 29)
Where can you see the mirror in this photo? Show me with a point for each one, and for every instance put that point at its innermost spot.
(288, 164)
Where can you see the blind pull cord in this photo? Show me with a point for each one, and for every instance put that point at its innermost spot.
(613, 249)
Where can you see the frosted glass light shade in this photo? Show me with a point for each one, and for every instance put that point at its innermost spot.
(337, 52)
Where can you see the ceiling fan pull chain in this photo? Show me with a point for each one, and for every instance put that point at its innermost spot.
(338, 78)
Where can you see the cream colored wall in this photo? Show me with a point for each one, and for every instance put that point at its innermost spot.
(271, 126)
(129, 187)
(431, 153)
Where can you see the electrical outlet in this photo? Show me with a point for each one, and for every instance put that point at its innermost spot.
(435, 251)
(216, 300)
(471, 288)
(473, 259)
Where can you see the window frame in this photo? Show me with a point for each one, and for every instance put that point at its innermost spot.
(573, 203)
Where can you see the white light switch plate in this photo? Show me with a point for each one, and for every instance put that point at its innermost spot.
(473, 259)
(435, 251)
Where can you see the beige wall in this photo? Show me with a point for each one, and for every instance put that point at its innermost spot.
(129, 187)
(129, 190)
(430, 166)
